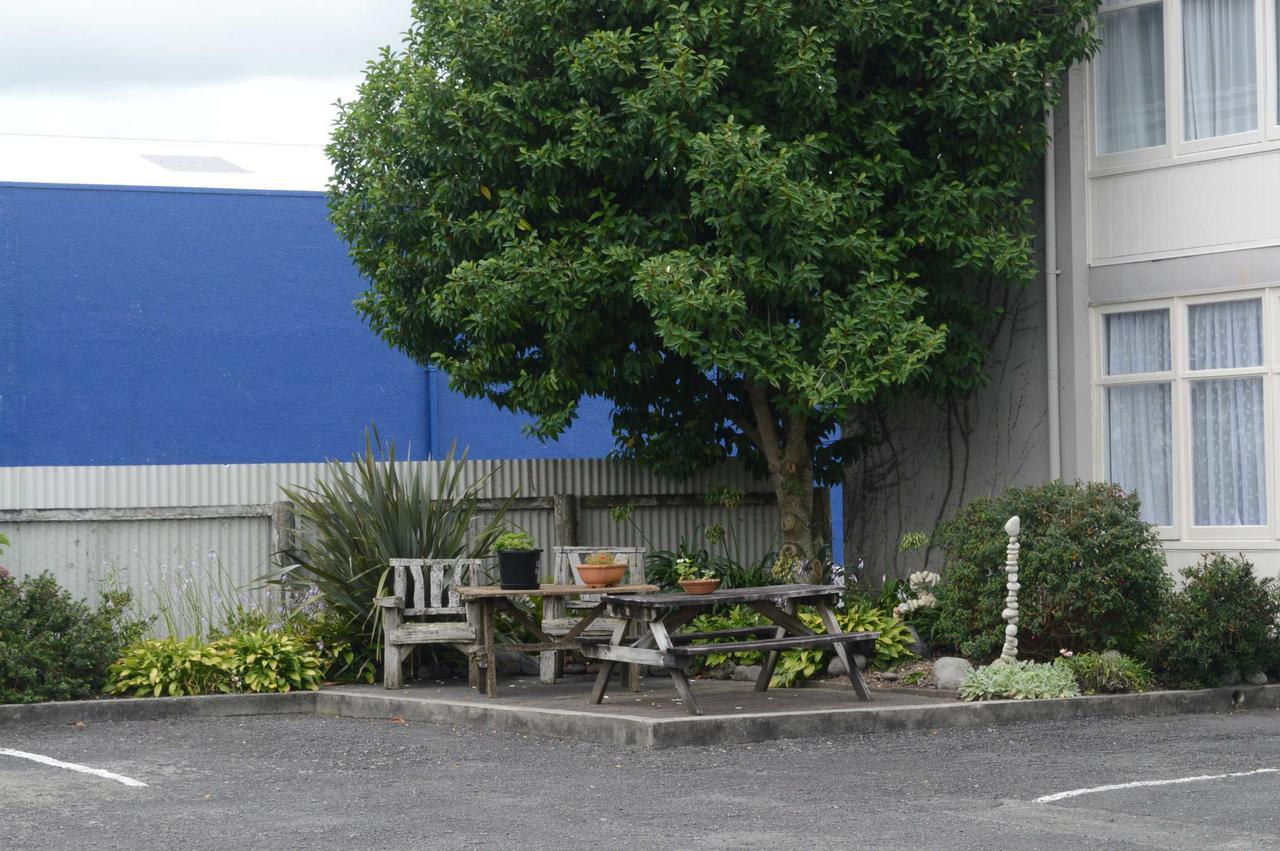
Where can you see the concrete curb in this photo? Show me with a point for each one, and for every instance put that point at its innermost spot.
(647, 732)
(155, 708)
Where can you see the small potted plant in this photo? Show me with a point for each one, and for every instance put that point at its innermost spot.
(695, 578)
(517, 560)
(600, 570)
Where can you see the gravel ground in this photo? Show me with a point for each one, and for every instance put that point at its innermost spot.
(303, 781)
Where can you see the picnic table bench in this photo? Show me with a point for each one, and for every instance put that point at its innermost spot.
(488, 602)
(657, 619)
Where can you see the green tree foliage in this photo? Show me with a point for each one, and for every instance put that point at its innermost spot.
(738, 222)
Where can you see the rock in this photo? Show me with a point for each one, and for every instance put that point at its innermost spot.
(1232, 677)
(949, 671)
(746, 673)
(1110, 654)
(720, 672)
(918, 646)
(890, 677)
(1258, 679)
(836, 667)
(1014, 527)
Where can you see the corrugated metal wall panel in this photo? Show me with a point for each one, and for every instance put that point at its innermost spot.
(149, 552)
(238, 484)
(153, 557)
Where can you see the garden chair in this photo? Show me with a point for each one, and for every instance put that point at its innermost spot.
(425, 609)
(560, 615)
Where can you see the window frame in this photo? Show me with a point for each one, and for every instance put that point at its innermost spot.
(1181, 377)
(1175, 147)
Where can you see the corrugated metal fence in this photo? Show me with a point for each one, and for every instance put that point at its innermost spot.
(157, 527)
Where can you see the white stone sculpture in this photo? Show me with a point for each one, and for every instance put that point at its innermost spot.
(1010, 613)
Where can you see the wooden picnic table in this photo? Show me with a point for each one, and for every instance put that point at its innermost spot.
(657, 618)
(490, 601)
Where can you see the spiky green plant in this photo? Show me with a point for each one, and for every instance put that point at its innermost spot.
(376, 509)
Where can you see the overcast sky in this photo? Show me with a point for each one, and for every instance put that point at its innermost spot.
(227, 70)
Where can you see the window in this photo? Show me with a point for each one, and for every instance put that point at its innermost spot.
(1129, 77)
(1186, 385)
(1219, 68)
(1188, 72)
(1139, 415)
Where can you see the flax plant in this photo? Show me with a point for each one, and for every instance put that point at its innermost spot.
(373, 510)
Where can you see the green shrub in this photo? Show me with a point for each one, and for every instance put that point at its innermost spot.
(1223, 618)
(250, 661)
(1107, 673)
(53, 647)
(1092, 572)
(1018, 681)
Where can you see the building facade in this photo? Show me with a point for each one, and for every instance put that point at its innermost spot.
(1163, 225)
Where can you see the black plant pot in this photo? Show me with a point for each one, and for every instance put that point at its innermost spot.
(518, 569)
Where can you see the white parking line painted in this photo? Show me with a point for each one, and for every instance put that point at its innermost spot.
(83, 769)
(1074, 793)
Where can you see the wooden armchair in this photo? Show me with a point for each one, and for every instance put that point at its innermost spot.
(425, 609)
(557, 616)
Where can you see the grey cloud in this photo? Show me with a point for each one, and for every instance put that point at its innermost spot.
(91, 45)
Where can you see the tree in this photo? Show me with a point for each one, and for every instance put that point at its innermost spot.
(737, 221)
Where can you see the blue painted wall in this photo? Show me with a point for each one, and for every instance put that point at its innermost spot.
(142, 326)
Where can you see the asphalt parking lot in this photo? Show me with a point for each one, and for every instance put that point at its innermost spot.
(306, 781)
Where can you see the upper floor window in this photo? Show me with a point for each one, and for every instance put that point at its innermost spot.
(1219, 68)
(1182, 71)
(1129, 76)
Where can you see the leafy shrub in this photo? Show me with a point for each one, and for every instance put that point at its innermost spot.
(250, 661)
(1018, 681)
(53, 647)
(1106, 673)
(1223, 618)
(1092, 572)
(372, 511)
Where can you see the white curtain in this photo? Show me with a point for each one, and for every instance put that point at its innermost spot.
(1227, 416)
(1225, 334)
(1140, 444)
(1129, 78)
(1137, 341)
(1219, 68)
(1140, 416)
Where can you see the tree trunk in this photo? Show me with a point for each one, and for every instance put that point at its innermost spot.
(792, 480)
(790, 459)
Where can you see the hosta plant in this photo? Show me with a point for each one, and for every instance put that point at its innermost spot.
(1018, 681)
(170, 667)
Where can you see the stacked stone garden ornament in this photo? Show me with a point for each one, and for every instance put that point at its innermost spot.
(1010, 613)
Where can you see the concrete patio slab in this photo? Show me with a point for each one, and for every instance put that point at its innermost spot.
(652, 718)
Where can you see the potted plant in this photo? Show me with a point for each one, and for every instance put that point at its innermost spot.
(695, 578)
(600, 570)
(517, 560)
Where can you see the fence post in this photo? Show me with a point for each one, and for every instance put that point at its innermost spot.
(282, 538)
(564, 508)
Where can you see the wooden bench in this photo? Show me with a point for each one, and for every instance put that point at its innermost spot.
(426, 589)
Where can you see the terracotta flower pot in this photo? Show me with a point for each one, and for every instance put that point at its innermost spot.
(601, 575)
(699, 586)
